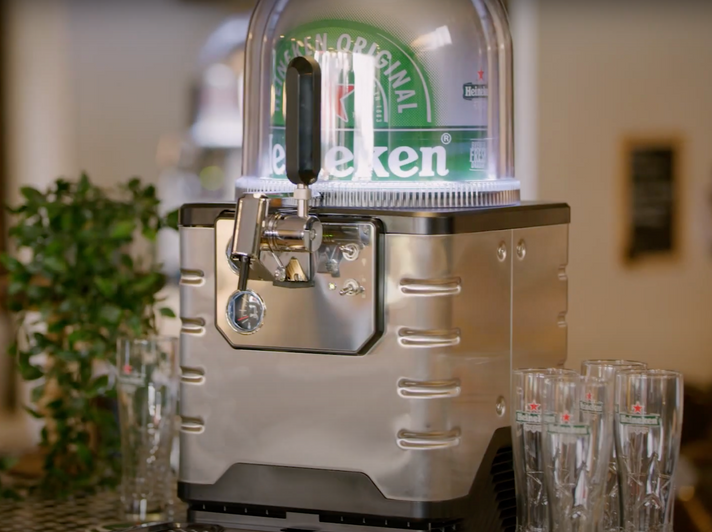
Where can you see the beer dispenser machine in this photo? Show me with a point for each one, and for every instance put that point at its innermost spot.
(349, 326)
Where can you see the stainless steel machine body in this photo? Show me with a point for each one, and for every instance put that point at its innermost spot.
(377, 396)
(350, 325)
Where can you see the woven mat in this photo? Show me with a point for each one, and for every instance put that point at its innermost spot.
(95, 513)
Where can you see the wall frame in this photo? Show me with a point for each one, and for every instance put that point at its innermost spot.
(652, 178)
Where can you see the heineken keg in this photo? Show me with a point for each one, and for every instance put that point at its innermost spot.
(416, 101)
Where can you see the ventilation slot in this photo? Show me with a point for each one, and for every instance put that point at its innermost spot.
(502, 475)
(240, 509)
(387, 522)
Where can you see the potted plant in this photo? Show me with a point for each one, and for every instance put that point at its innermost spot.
(76, 284)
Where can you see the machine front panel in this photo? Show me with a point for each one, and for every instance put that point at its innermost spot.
(337, 314)
(415, 414)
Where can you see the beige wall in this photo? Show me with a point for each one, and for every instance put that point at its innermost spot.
(607, 70)
(133, 62)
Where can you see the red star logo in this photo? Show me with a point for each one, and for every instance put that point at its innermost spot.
(127, 368)
(637, 408)
(589, 397)
(533, 407)
(566, 417)
(343, 92)
(481, 74)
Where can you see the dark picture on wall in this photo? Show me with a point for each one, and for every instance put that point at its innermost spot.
(651, 199)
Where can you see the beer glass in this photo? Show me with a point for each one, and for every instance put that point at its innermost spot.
(648, 429)
(577, 446)
(607, 369)
(146, 390)
(527, 433)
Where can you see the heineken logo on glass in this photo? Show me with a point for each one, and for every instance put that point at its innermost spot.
(637, 416)
(470, 91)
(566, 426)
(382, 108)
(589, 405)
(531, 414)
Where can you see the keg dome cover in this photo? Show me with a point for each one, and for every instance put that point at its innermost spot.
(416, 100)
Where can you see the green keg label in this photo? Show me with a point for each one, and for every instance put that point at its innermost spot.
(379, 115)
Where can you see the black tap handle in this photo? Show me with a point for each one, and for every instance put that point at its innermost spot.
(303, 120)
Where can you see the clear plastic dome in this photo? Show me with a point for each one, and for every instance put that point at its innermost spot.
(416, 100)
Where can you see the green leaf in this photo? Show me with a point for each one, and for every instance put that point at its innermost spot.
(7, 463)
(134, 184)
(40, 340)
(36, 293)
(84, 454)
(97, 386)
(84, 184)
(79, 403)
(10, 262)
(66, 306)
(110, 313)
(29, 372)
(149, 233)
(56, 405)
(9, 494)
(149, 192)
(167, 312)
(16, 210)
(107, 287)
(58, 326)
(69, 355)
(151, 282)
(55, 264)
(67, 220)
(172, 219)
(135, 324)
(15, 287)
(62, 185)
(31, 194)
(127, 261)
(34, 413)
(122, 230)
(78, 336)
(37, 393)
(15, 306)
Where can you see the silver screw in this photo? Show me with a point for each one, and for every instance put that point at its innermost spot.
(351, 288)
(502, 252)
(521, 249)
(350, 252)
(280, 274)
(500, 406)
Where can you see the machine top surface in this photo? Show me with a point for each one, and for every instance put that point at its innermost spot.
(413, 221)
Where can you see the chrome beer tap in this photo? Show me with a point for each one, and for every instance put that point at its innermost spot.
(290, 240)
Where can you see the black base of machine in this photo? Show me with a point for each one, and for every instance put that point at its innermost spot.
(348, 498)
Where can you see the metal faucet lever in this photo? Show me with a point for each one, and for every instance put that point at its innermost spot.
(303, 125)
(303, 128)
(255, 229)
(252, 212)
